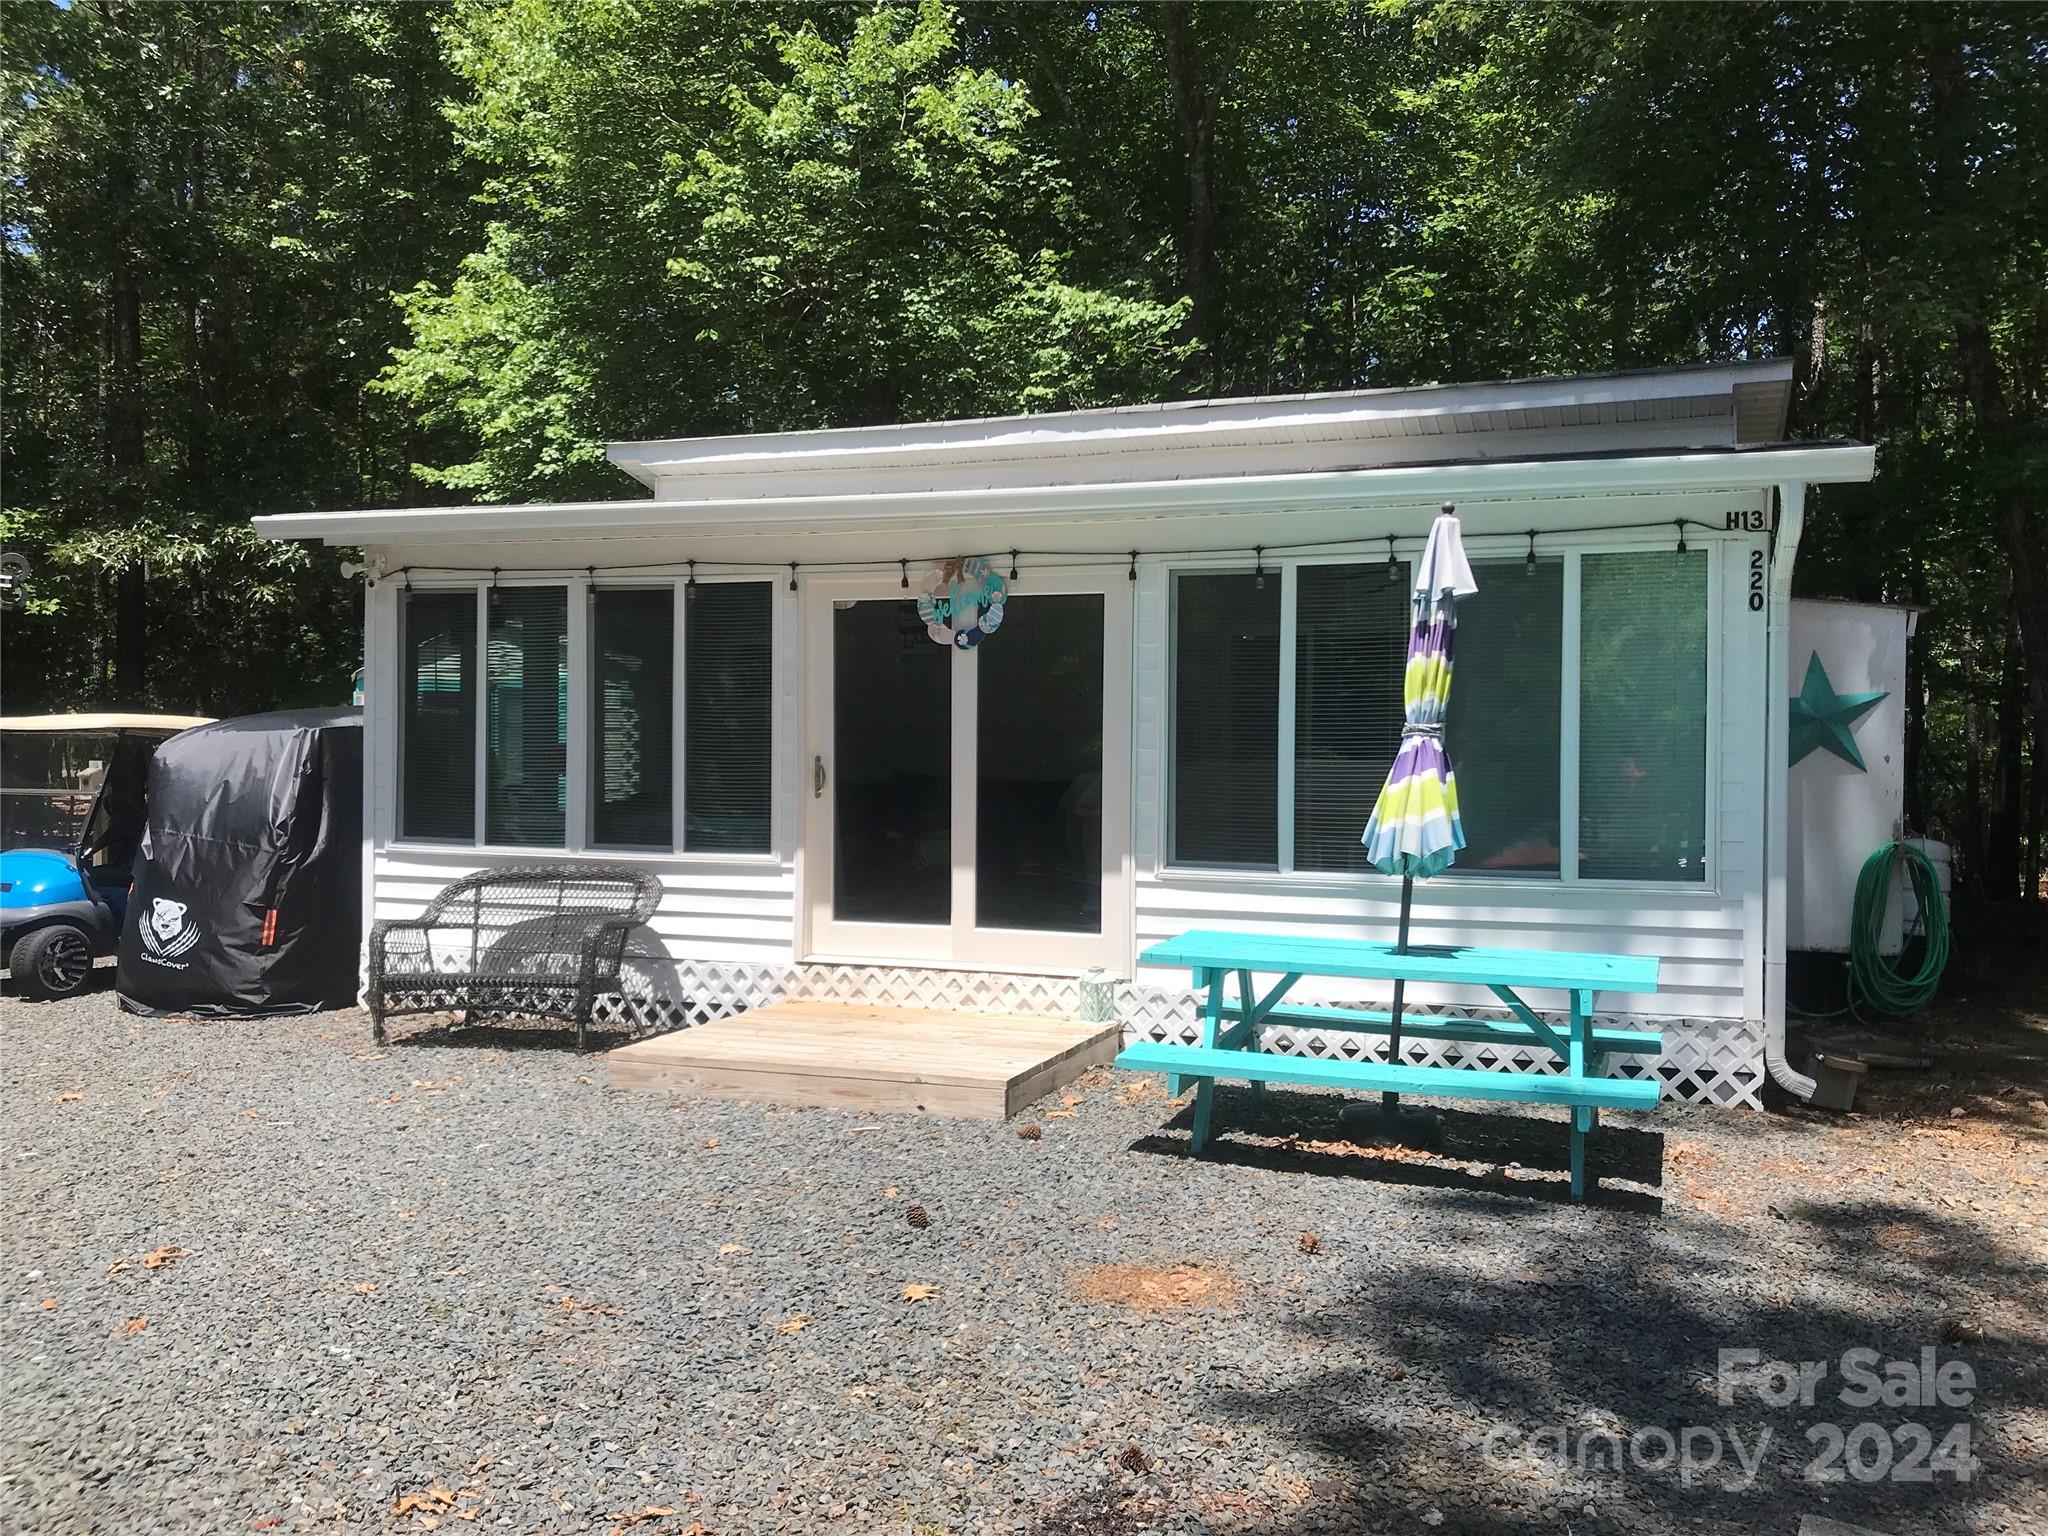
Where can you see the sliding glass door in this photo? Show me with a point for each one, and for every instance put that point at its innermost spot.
(970, 806)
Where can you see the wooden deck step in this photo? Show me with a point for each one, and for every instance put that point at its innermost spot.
(852, 1056)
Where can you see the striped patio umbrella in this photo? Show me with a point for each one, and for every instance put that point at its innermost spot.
(1414, 830)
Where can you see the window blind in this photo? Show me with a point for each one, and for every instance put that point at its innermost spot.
(632, 736)
(1350, 652)
(437, 725)
(526, 693)
(1226, 718)
(728, 720)
(1503, 730)
(1643, 716)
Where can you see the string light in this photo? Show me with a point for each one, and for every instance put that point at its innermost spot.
(904, 566)
(693, 575)
(1681, 534)
(1259, 565)
(792, 575)
(1331, 548)
(1529, 564)
(1393, 571)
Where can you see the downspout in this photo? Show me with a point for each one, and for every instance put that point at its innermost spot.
(1777, 767)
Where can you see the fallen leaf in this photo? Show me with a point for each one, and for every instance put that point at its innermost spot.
(266, 1523)
(366, 1288)
(1059, 1114)
(725, 1249)
(481, 1462)
(795, 1324)
(71, 1097)
(396, 1098)
(158, 1258)
(710, 1144)
(119, 1266)
(49, 1303)
(917, 1291)
(889, 1193)
(133, 1326)
(252, 1114)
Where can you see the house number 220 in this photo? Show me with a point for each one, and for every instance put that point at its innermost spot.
(1756, 581)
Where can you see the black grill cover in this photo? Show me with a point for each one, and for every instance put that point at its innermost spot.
(248, 892)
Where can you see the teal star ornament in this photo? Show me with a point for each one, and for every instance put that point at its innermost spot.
(1822, 717)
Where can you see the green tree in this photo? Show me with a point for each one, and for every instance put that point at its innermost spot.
(210, 205)
(708, 219)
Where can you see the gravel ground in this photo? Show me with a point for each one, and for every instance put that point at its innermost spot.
(265, 1276)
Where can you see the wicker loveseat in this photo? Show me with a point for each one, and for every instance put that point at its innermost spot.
(528, 940)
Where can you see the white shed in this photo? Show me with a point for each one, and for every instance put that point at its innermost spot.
(1190, 702)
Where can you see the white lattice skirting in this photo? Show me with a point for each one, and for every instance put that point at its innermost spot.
(1706, 1061)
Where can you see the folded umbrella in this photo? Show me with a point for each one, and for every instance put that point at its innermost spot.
(1414, 831)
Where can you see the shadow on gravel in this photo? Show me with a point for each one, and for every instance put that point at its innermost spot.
(1296, 1131)
(1578, 1381)
(537, 1035)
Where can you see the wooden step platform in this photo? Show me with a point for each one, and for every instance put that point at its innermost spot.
(978, 1066)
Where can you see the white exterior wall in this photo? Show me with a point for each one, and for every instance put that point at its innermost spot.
(731, 928)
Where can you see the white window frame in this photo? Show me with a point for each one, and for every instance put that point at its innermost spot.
(579, 809)
(1480, 548)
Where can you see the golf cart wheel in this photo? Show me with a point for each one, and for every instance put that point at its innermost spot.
(53, 962)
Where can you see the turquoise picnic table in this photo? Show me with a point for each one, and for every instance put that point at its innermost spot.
(1231, 1030)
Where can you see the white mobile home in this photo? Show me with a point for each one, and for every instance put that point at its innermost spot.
(1165, 701)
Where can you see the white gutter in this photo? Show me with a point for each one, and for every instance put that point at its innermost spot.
(1089, 500)
(1777, 767)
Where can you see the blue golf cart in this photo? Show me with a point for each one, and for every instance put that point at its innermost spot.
(71, 817)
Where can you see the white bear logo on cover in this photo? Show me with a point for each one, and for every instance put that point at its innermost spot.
(165, 932)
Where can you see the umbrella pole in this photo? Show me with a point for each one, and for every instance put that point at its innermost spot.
(1391, 1100)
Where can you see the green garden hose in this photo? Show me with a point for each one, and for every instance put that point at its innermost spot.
(1871, 979)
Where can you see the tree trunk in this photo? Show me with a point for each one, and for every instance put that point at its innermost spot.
(2003, 828)
(126, 445)
(2018, 541)
(1197, 92)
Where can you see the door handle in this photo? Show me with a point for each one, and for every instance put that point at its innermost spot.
(817, 776)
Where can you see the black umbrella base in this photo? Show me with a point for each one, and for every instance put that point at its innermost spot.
(1375, 1124)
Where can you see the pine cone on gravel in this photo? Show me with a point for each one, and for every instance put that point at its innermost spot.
(918, 1217)
(1310, 1243)
(1029, 1130)
(1132, 1459)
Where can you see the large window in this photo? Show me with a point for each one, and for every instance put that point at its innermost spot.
(632, 701)
(526, 696)
(1350, 650)
(1226, 689)
(728, 724)
(1631, 716)
(1505, 719)
(1642, 721)
(437, 715)
(553, 675)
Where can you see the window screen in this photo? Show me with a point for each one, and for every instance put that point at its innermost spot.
(1351, 649)
(437, 726)
(526, 682)
(728, 724)
(1502, 730)
(1643, 716)
(1226, 719)
(632, 736)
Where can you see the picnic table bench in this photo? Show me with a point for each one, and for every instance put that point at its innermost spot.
(1231, 1031)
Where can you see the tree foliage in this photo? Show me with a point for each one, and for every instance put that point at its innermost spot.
(270, 256)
